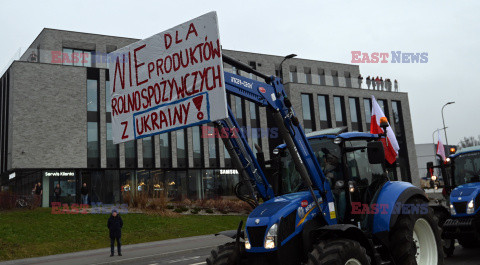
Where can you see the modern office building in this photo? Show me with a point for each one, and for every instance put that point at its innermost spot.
(56, 124)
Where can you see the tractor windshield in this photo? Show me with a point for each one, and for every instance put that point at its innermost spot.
(327, 153)
(466, 168)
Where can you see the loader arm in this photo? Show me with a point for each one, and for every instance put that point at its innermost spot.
(272, 95)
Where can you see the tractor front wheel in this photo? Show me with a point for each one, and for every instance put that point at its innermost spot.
(338, 252)
(416, 238)
(226, 255)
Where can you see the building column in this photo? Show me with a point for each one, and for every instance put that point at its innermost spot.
(46, 190)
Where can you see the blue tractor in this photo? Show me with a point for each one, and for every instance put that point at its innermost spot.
(464, 224)
(326, 199)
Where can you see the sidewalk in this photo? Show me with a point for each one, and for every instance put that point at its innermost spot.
(131, 253)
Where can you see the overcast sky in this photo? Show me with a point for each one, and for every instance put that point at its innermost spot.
(318, 30)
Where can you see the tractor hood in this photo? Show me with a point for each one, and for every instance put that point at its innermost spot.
(290, 212)
(462, 198)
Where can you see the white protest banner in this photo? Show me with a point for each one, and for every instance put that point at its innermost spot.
(168, 81)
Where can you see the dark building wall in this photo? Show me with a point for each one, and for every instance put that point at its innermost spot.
(48, 105)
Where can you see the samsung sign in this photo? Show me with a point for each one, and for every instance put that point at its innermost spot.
(60, 174)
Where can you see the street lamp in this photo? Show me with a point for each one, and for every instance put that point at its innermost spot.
(290, 56)
(443, 119)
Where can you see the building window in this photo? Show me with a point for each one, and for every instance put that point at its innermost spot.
(131, 154)
(93, 144)
(93, 151)
(213, 149)
(335, 78)
(148, 152)
(293, 74)
(77, 57)
(399, 129)
(112, 149)
(240, 111)
(339, 111)
(348, 79)
(308, 75)
(255, 125)
(383, 105)
(367, 105)
(165, 150)
(253, 64)
(182, 156)
(355, 114)
(307, 109)
(197, 147)
(321, 76)
(324, 112)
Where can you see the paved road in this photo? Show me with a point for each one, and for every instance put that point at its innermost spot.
(185, 251)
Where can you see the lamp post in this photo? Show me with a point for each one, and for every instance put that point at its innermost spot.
(284, 59)
(443, 119)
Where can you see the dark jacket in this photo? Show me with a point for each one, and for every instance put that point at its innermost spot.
(84, 190)
(57, 192)
(115, 225)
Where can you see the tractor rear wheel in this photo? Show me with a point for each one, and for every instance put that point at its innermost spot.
(224, 255)
(416, 238)
(338, 252)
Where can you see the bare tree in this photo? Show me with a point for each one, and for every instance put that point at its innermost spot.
(469, 141)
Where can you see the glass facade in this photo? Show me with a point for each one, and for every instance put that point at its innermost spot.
(115, 186)
(77, 57)
(131, 154)
(255, 130)
(112, 149)
(182, 152)
(197, 145)
(324, 112)
(93, 143)
(148, 152)
(356, 119)
(367, 105)
(165, 150)
(339, 104)
(399, 130)
(308, 113)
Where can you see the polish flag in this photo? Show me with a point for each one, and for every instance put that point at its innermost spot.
(441, 148)
(390, 144)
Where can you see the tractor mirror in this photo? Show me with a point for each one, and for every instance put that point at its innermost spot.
(376, 154)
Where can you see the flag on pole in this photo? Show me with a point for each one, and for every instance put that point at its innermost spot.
(441, 148)
(390, 144)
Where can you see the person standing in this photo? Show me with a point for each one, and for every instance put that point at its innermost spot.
(57, 192)
(84, 192)
(360, 80)
(396, 85)
(374, 83)
(382, 83)
(39, 192)
(368, 82)
(115, 224)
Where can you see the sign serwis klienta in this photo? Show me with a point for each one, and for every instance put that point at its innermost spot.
(168, 81)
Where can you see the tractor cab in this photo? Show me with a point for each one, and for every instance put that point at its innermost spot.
(353, 164)
(464, 225)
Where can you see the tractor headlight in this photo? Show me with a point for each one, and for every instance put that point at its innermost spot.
(470, 208)
(271, 238)
(452, 210)
(247, 244)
